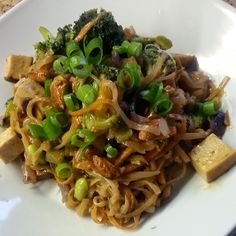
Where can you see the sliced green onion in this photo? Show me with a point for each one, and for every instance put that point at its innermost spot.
(198, 108)
(60, 65)
(63, 170)
(158, 98)
(111, 151)
(129, 77)
(164, 42)
(9, 107)
(93, 122)
(31, 149)
(163, 105)
(54, 156)
(79, 66)
(59, 119)
(206, 108)
(95, 86)
(45, 33)
(131, 48)
(71, 102)
(49, 111)
(123, 48)
(52, 131)
(35, 158)
(47, 84)
(209, 108)
(95, 46)
(37, 131)
(81, 189)
(152, 92)
(122, 133)
(82, 138)
(72, 48)
(135, 49)
(86, 94)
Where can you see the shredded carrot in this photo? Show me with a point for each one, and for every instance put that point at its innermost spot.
(124, 155)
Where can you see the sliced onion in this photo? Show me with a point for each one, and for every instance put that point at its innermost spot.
(139, 119)
(164, 128)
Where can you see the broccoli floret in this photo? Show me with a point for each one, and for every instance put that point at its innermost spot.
(65, 34)
(151, 52)
(40, 49)
(56, 44)
(106, 27)
(109, 72)
(5, 119)
(85, 18)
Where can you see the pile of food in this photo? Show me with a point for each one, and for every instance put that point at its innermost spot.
(113, 118)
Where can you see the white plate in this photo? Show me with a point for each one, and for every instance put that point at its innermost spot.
(206, 28)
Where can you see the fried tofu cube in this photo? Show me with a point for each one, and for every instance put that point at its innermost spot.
(11, 145)
(212, 157)
(17, 67)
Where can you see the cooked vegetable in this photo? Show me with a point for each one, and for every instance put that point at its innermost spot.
(63, 170)
(111, 151)
(56, 44)
(107, 28)
(47, 84)
(82, 138)
(131, 48)
(129, 77)
(71, 102)
(86, 94)
(81, 189)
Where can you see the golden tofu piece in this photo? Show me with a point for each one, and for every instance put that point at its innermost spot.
(212, 157)
(11, 145)
(17, 67)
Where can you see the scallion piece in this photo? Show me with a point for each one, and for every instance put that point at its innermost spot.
(131, 48)
(111, 151)
(82, 138)
(71, 102)
(123, 48)
(152, 92)
(52, 132)
(163, 105)
(129, 77)
(60, 65)
(158, 98)
(81, 188)
(135, 49)
(72, 48)
(94, 51)
(37, 131)
(79, 66)
(209, 108)
(59, 119)
(47, 84)
(163, 42)
(63, 170)
(86, 94)
(31, 149)
(45, 33)
(198, 108)
(206, 108)
(54, 156)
